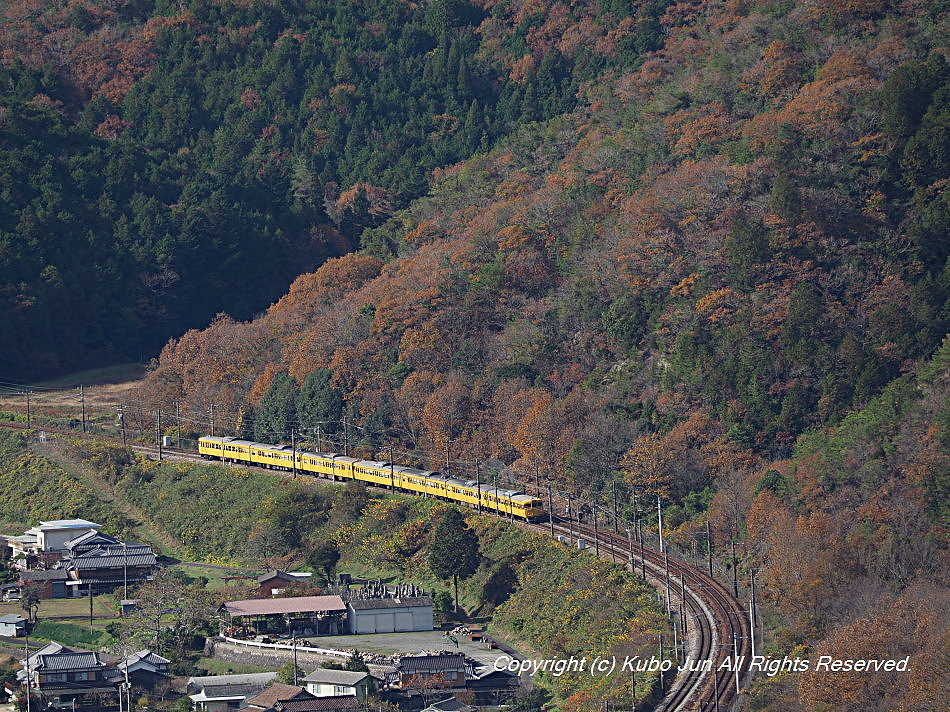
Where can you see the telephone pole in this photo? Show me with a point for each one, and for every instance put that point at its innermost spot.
(121, 409)
(82, 405)
(551, 510)
(709, 548)
(159, 434)
(178, 419)
(293, 450)
(211, 410)
(478, 486)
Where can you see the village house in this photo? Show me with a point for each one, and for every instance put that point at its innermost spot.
(324, 682)
(218, 693)
(64, 677)
(145, 669)
(445, 670)
(45, 544)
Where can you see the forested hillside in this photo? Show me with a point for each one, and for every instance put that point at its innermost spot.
(161, 162)
(721, 277)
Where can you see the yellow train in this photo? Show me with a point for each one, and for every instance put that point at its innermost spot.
(509, 503)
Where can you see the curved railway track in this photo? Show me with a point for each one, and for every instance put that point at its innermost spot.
(717, 627)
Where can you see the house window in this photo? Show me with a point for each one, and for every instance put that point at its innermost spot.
(56, 677)
(341, 690)
(81, 676)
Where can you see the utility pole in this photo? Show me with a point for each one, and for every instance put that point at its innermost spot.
(211, 409)
(666, 559)
(659, 512)
(613, 487)
(735, 650)
(293, 449)
(159, 434)
(478, 486)
(29, 415)
(29, 683)
(125, 570)
(709, 548)
(630, 550)
(735, 573)
(121, 409)
(752, 626)
(643, 558)
(551, 509)
(346, 441)
(82, 405)
(570, 517)
(89, 589)
(447, 441)
(178, 419)
(593, 510)
(752, 586)
(392, 470)
(316, 432)
(683, 600)
(537, 477)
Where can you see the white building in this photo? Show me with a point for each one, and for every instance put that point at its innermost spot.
(390, 615)
(334, 683)
(46, 544)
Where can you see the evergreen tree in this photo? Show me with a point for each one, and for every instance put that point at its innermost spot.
(454, 550)
(318, 402)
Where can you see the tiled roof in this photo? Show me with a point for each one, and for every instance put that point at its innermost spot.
(255, 678)
(146, 656)
(279, 575)
(113, 557)
(68, 524)
(449, 705)
(412, 664)
(275, 693)
(68, 661)
(336, 677)
(42, 575)
(91, 536)
(334, 703)
(299, 604)
(377, 603)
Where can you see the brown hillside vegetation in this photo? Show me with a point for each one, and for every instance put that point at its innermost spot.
(724, 276)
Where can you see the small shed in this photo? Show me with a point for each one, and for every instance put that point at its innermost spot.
(12, 625)
(390, 615)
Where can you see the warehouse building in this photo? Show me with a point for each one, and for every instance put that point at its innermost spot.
(390, 615)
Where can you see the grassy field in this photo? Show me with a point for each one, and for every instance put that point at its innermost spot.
(69, 610)
(216, 577)
(211, 666)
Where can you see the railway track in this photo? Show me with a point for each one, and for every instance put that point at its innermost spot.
(717, 629)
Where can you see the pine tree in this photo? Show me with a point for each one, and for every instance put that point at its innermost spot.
(454, 550)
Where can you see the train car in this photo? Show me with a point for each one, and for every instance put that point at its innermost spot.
(506, 502)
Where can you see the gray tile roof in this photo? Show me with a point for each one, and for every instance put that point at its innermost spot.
(367, 604)
(43, 575)
(411, 664)
(68, 661)
(256, 678)
(336, 677)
